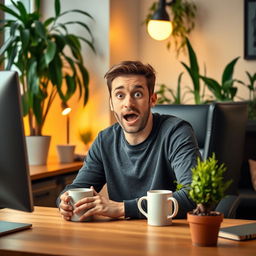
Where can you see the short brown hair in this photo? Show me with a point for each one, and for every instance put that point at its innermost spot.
(132, 68)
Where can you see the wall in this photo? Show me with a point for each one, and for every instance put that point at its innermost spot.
(124, 32)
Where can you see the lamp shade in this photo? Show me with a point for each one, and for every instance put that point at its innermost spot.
(159, 29)
(65, 109)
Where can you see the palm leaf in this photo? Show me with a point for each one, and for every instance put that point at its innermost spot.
(81, 24)
(76, 11)
(9, 11)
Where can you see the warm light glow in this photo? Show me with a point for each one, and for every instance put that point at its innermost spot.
(66, 111)
(159, 29)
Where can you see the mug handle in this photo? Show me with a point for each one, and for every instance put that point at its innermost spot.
(139, 205)
(176, 207)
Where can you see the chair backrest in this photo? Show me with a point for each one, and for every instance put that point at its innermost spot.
(228, 135)
(219, 128)
(199, 116)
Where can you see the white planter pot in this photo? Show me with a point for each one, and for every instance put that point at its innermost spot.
(66, 153)
(38, 148)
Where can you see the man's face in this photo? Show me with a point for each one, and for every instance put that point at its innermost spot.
(131, 102)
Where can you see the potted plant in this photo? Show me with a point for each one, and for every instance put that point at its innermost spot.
(206, 190)
(48, 58)
(86, 137)
(194, 73)
(224, 91)
(174, 97)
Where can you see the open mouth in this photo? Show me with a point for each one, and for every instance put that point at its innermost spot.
(130, 117)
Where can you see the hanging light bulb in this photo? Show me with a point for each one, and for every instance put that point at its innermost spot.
(159, 29)
(160, 26)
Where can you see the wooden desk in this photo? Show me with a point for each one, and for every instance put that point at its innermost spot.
(54, 236)
(53, 168)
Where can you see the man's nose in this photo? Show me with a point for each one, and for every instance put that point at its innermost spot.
(129, 102)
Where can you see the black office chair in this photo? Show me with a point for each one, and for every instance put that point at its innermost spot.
(219, 128)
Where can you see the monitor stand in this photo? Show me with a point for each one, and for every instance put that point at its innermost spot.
(7, 227)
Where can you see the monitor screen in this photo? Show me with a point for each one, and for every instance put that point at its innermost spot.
(15, 183)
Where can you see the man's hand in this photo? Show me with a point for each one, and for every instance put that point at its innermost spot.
(66, 210)
(97, 205)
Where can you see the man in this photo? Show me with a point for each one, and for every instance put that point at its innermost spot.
(142, 151)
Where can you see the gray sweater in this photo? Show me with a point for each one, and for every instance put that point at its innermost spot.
(167, 155)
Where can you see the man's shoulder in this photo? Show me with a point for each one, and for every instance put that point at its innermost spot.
(166, 125)
(169, 120)
(111, 131)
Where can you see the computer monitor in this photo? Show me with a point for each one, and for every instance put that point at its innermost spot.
(15, 183)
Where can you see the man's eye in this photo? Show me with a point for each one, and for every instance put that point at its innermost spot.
(137, 94)
(120, 95)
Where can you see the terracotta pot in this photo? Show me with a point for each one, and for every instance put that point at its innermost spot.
(204, 229)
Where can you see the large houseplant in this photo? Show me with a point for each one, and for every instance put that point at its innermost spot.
(206, 190)
(48, 58)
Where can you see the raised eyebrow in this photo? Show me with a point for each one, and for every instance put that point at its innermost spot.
(119, 87)
(139, 87)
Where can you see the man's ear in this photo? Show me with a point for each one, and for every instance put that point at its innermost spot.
(153, 99)
(111, 104)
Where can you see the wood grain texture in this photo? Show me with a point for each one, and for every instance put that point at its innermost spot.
(53, 168)
(51, 235)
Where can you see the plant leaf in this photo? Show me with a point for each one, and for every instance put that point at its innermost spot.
(81, 24)
(50, 52)
(40, 30)
(25, 36)
(57, 7)
(76, 11)
(213, 86)
(228, 71)
(9, 11)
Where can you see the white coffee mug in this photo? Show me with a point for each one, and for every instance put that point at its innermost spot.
(77, 194)
(159, 205)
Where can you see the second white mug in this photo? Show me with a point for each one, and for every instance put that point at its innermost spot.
(159, 204)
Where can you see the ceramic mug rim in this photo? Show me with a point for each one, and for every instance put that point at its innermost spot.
(80, 190)
(160, 191)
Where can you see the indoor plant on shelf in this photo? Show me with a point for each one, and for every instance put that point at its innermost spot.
(224, 91)
(48, 58)
(206, 190)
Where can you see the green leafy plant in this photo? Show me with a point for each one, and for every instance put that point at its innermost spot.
(194, 73)
(208, 186)
(183, 15)
(85, 136)
(175, 97)
(251, 86)
(224, 91)
(47, 56)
